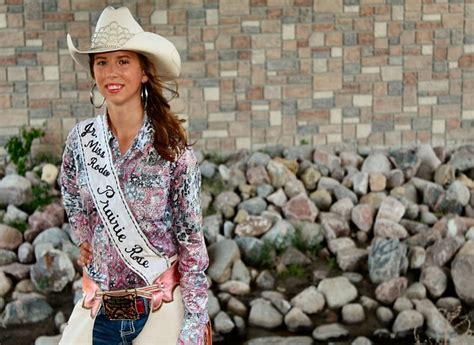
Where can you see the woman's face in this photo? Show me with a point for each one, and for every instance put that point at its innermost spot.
(119, 76)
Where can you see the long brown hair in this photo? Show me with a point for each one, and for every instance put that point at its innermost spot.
(170, 138)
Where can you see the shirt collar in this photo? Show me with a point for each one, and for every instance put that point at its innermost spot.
(144, 137)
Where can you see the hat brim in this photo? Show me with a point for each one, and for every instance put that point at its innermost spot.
(160, 51)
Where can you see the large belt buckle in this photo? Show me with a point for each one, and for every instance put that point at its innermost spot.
(120, 306)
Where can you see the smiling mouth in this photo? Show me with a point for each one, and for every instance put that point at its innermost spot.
(114, 87)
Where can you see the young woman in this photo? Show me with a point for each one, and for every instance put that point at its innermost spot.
(131, 189)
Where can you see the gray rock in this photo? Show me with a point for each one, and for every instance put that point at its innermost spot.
(350, 259)
(16, 270)
(208, 169)
(444, 175)
(387, 258)
(463, 339)
(296, 319)
(368, 303)
(417, 257)
(416, 291)
(461, 273)
(449, 304)
(254, 251)
(263, 314)
(226, 199)
(407, 320)
(438, 327)
(435, 280)
(340, 243)
(279, 173)
(343, 207)
(321, 198)
(47, 217)
(278, 300)
(309, 301)
(401, 304)
(257, 176)
(443, 250)
(330, 331)
(300, 340)
(254, 206)
(337, 291)
(49, 173)
(300, 207)
(223, 323)
(406, 160)
(25, 311)
(15, 190)
(258, 159)
(292, 256)
(334, 225)
(389, 229)
(342, 192)
(265, 280)
(310, 234)
(457, 191)
(384, 315)
(353, 313)
(5, 284)
(7, 257)
(235, 287)
(236, 307)
(222, 256)
(376, 162)
(360, 183)
(211, 226)
(278, 198)
(294, 187)
(48, 340)
(391, 209)
(213, 306)
(395, 178)
(361, 341)
(463, 158)
(26, 253)
(240, 272)
(240, 325)
(362, 216)
(326, 159)
(281, 235)
(253, 226)
(427, 156)
(310, 178)
(52, 272)
(264, 190)
(54, 236)
(389, 291)
(14, 215)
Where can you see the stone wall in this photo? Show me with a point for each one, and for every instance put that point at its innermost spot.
(260, 72)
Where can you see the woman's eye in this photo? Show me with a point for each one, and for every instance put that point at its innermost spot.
(101, 63)
(123, 62)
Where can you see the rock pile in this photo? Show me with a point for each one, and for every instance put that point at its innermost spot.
(324, 244)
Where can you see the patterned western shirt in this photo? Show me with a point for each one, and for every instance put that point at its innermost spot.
(164, 198)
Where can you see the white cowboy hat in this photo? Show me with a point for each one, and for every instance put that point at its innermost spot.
(116, 29)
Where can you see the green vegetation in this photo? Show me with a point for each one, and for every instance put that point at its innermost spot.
(19, 147)
(304, 142)
(214, 186)
(215, 157)
(293, 270)
(19, 225)
(41, 197)
(267, 255)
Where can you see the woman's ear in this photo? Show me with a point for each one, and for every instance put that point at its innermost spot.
(144, 78)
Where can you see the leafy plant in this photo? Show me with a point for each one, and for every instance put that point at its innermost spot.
(213, 185)
(304, 142)
(19, 147)
(19, 225)
(293, 270)
(41, 197)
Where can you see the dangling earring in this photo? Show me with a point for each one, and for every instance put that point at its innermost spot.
(92, 95)
(144, 95)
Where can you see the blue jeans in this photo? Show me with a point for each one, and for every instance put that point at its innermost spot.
(118, 332)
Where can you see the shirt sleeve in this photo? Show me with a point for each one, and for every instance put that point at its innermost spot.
(193, 259)
(75, 211)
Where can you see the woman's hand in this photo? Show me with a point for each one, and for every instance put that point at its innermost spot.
(85, 257)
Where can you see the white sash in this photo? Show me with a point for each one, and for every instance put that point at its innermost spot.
(122, 228)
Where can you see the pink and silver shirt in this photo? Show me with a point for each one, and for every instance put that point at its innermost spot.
(164, 198)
